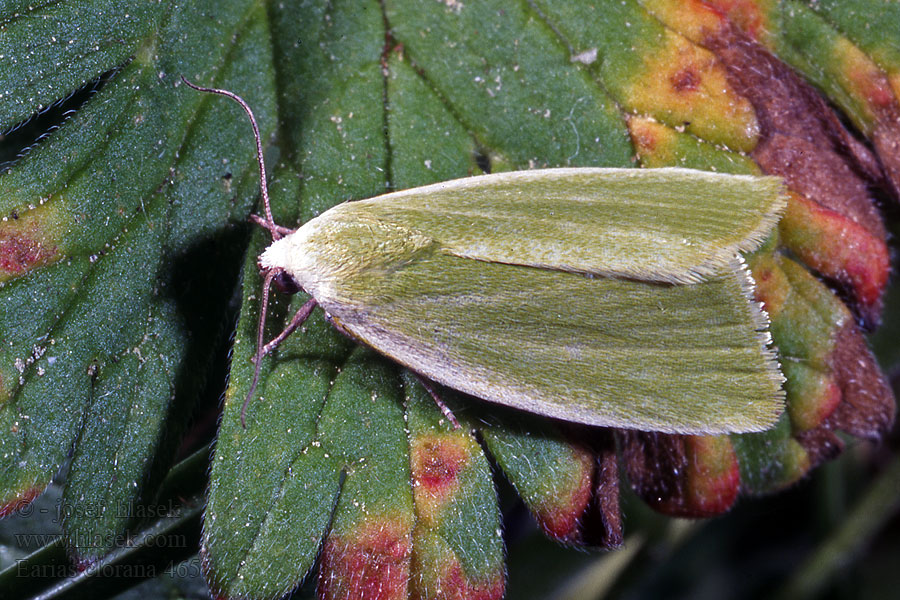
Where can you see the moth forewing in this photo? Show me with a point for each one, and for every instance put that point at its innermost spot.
(595, 350)
(674, 225)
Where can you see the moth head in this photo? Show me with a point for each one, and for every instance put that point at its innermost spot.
(286, 283)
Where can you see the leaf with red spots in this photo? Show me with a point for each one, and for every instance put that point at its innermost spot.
(801, 139)
(457, 544)
(832, 225)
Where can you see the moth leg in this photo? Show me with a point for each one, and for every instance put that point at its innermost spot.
(280, 229)
(299, 317)
(426, 383)
(437, 400)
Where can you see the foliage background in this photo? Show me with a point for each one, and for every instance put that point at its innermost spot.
(164, 179)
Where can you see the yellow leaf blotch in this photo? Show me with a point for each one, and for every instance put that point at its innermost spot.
(685, 86)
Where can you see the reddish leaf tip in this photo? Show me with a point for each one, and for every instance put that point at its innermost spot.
(560, 515)
(19, 502)
(371, 563)
(455, 585)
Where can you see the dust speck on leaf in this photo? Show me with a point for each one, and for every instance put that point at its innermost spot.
(586, 57)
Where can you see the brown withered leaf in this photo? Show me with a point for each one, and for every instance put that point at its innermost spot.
(886, 139)
(655, 464)
(681, 475)
(821, 445)
(868, 408)
(803, 141)
(601, 525)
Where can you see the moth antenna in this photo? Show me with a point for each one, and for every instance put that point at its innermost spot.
(269, 223)
(277, 232)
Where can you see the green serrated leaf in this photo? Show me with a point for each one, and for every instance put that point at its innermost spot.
(508, 78)
(871, 25)
(39, 37)
(553, 476)
(122, 234)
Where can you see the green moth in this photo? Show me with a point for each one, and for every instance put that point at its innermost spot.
(610, 297)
